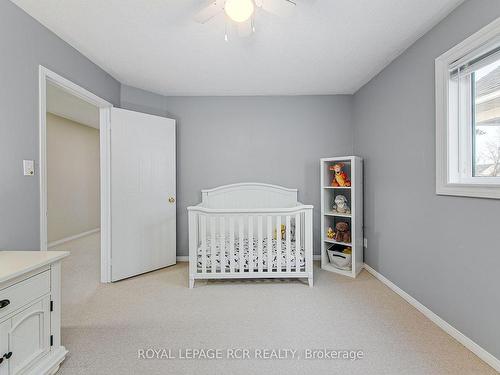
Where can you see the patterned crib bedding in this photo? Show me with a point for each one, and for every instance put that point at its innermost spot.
(246, 253)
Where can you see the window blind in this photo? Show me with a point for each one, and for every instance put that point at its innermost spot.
(468, 64)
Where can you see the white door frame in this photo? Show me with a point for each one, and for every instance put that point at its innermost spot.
(45, 75)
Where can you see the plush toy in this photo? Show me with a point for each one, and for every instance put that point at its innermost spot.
(343, 233)
(283, 232)
(340, 206)
(340, 178)
(330, 233)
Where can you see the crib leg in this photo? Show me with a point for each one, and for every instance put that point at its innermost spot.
(311, 281)
(191, 282)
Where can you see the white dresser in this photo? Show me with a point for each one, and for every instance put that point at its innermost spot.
(30, 312)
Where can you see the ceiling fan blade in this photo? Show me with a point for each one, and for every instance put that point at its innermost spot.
(210, 11)
(245, 28)
(278, 7)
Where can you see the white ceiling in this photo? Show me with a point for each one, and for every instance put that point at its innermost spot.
(324, 47)
(63, 104)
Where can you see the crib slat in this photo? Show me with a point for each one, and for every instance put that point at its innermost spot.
(203, 228)
(278, 243)
(250, 244)
(241, 253)
(222, 235)
(213, 243)
(269, 244)
(288, 236)
(231, 244)
(297, 243)
(259, 243)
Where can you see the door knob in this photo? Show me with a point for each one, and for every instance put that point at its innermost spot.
(171, 199)
(7, 355)
(4, 303)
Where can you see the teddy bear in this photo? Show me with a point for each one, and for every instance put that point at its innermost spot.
(343, 233)
(340, 178)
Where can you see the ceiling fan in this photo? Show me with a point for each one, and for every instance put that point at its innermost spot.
(242, 12)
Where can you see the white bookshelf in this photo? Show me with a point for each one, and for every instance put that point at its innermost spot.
(353, 166)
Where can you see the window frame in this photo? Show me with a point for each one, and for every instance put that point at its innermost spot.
(449, 150)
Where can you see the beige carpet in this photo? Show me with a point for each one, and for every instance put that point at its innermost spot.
(104, 325)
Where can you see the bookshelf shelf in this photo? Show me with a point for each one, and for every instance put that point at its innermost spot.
(337, 242)
(336, 214)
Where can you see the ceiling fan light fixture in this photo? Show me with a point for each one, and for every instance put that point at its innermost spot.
(239, 10)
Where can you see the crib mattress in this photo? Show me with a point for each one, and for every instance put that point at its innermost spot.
(246, 254)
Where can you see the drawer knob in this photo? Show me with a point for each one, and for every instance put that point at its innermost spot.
(7, 355)
(4, 303)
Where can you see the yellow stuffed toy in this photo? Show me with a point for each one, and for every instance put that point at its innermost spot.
(283, 232)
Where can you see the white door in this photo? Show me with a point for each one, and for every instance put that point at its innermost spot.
(143, 224)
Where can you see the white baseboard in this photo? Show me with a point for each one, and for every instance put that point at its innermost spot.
(71, 238)
(185, 258)
(449, 329)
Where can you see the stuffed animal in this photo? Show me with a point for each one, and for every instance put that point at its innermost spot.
(330, 233)
(340, 178)
(283, 232)
(340, 205)
(343, 233)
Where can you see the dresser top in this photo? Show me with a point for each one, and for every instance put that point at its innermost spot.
(17, 263)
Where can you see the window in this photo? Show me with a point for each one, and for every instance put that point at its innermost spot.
(468, 116)
(485, 86)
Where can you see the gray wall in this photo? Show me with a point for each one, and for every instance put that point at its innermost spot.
(444, 251)
(224, 140)
(24, 44)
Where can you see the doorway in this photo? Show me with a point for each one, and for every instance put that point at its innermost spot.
(142, 196)
(75, 119)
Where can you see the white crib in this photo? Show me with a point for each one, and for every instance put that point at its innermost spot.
(236, 232)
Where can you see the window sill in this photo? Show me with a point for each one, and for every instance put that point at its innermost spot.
(469, 190)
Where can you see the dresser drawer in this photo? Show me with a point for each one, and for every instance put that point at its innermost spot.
(23, 292)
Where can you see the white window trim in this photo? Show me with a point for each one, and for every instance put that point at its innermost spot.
(473, 186)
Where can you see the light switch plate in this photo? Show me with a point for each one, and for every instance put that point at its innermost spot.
(29, 167)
